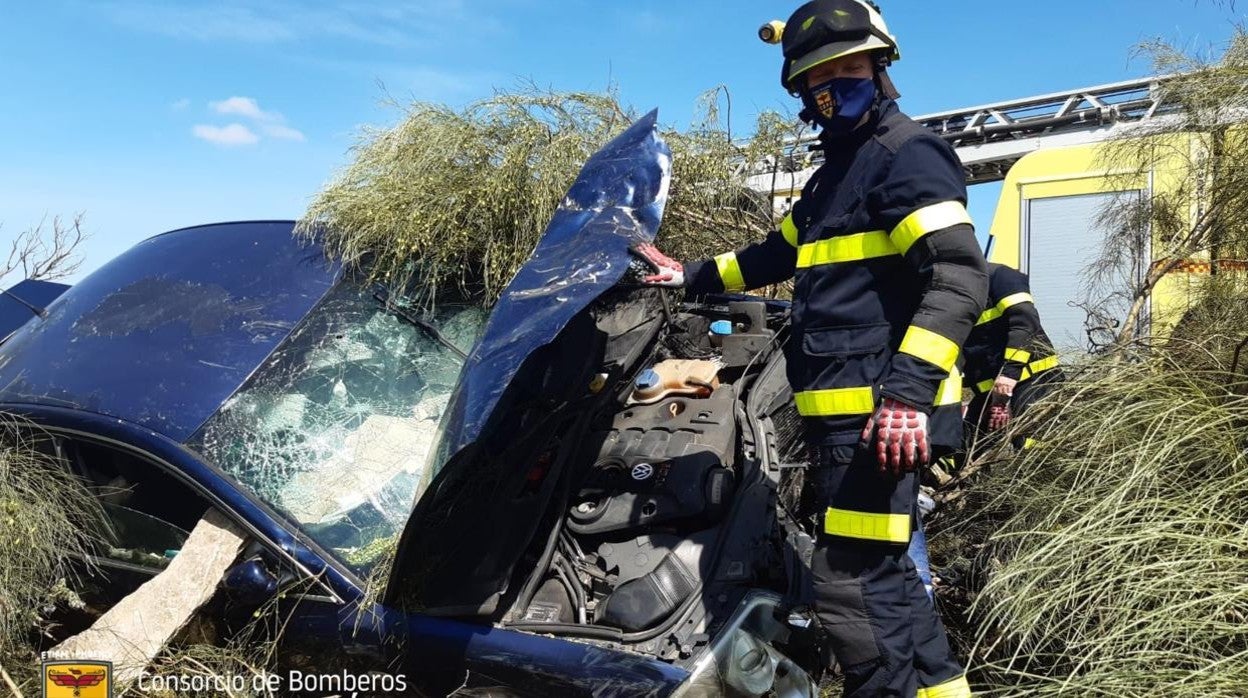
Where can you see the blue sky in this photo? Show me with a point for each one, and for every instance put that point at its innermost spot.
(148, 116)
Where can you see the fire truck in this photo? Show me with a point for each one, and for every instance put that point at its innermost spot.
(1047, 152)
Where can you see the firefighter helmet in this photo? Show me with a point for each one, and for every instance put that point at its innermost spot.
(823, 30)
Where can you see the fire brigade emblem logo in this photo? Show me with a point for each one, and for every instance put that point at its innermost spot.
(642, 471)
(827, 105)
(78, 679)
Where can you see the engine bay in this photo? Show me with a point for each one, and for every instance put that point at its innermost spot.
(666, 499)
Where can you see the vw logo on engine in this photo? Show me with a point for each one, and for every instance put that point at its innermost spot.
(642, 471)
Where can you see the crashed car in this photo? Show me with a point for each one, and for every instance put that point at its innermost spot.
(588, 492)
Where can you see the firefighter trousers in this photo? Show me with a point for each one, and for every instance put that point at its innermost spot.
(876, 616)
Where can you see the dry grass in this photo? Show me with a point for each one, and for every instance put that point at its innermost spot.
(1119, 551)
(47, 516)
(245, 657)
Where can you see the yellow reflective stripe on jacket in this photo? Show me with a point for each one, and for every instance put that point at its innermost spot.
(936, 349)
(730, 271)
(1022, 356)
(1032, 369)
(949, 392)
(1038, 366)
(789, 230)
(1044, 364)
(926, 220)
(998, 310)
(890, 528)
(835, 402)
(846, 248)
(954, 688)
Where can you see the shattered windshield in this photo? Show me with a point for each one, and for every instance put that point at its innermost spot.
(333, 431)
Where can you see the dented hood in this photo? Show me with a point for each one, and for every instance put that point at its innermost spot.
(616, 201)
(490, 486)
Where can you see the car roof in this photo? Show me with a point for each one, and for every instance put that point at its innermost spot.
(164, 333)
(23, 301)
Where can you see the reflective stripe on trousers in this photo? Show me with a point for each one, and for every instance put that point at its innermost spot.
(879, 621)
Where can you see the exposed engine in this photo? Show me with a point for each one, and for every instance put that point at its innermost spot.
(654, 515)
(669, 462)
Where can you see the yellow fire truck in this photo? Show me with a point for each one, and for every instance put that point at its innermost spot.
(1048, 153)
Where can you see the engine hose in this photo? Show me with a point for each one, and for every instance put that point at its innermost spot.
(574, 585)
(576, 547)
(539, 571)
(525, 597)
(667, 623)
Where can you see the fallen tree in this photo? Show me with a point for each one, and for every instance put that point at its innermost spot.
(47, 518)
(459, 198)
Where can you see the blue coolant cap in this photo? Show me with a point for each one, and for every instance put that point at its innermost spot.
(721, 327)
(647, 379)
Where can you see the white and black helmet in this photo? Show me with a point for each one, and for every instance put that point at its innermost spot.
(824, 30)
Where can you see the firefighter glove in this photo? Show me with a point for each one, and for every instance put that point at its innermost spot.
(998, 415)
(999, 407)
(653, 268)
(898, 433)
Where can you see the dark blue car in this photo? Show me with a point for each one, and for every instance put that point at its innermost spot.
(583, 493)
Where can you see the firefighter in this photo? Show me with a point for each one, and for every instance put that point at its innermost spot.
(888, 282)
(1009, 360)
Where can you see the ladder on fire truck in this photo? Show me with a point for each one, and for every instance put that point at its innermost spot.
(991, 138)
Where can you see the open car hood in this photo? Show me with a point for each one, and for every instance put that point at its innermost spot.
(489, 496)
(616, 201)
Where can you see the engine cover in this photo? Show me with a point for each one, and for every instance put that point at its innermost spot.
(667, 462)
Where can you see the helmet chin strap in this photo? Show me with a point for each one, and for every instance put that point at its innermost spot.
(884, 84)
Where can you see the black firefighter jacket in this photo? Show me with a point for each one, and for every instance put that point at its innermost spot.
(1007, 339)
(889, 280)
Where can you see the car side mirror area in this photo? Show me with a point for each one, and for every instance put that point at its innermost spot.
(250, 581)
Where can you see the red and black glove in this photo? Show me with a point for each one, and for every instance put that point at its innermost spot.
(653, 268)
(999, 409)
(998, 416)
(900, 436)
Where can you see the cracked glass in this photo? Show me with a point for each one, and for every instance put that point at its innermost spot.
(334, 430)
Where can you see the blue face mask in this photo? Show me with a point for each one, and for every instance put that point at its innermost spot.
(838, 104)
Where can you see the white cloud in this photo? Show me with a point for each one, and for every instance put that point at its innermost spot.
(180, 104)
(229, 136)
(284, 133)
(269, 123)
(244, 106)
